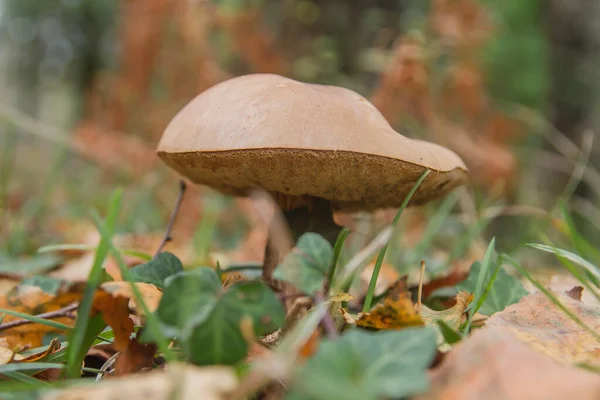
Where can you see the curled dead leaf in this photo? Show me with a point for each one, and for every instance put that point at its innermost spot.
(396, 311)
(453, 317)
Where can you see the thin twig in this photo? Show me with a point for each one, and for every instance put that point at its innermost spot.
(63, 312)
(421, 278)
(167, 237)
(327, 321)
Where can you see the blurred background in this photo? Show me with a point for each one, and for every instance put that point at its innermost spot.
(87, 87)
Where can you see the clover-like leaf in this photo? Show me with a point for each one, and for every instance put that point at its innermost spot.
(157, 270)
(187, 295)
(218, 339)
(505, 290)
(307, 264)
(207, 317)
(365, 365)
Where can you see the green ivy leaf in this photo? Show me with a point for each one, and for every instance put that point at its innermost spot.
(307, 264)
(365, 365)
(157, 270)
(505, 290)
(207, 317)
(218, 339)
(187, 294)
(47, 284)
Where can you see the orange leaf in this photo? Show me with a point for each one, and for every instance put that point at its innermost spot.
(397, 311)
(115, 312)
(135, 357)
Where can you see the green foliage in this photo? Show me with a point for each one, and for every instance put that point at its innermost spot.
(82, 330)
(308, 264)
(35, 265)
(504, 291)
(157, 270)
(207, 318)
(521, 38)
(368, 365)
(187, 294)
(568, 255)
(449, 334)
(47, 284)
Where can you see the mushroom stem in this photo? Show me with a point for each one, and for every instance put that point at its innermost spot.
(317, 218)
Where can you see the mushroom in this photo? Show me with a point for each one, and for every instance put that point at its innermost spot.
(315, 148)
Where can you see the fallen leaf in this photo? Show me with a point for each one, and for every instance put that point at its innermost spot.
(53, 347)
(115, 312)
(310, 347)
(453, 317)
(536, 321)
(388, 275)
(454, 277)
(135, 357)
(33, 300)
(494, 364)
(150, 294)
(341, 297)
(559, 282)
(185, 381)
(7, 356)
(396, 311)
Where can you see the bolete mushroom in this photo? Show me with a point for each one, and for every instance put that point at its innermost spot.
(314, 148)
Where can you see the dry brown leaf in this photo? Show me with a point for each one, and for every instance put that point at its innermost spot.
(560, 281)
(454, 276)
(54, 346)
(493, 364)
(150, 294)
(187, 382)
(388, 275)
(535, 320)
(136, 356)
(33, 300)
(115, 312)
(453, 316)
(396, 311)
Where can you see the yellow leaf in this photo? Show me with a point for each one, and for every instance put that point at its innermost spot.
(397, 311)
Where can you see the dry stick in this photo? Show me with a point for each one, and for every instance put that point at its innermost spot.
(421, 278)
(63, 312)
(327, 321)
(167, 238)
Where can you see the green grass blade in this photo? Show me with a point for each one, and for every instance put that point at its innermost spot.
(432, 229)
(37, 320)
(24, 378)
(479, 293)
(39, 366)
(581, 244)
(337, 249)
(152, 321)
(523, 271)
(381, 256)
(89, 247)
(76, 353)
(561, 253)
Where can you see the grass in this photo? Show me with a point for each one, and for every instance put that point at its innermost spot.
(572, 253)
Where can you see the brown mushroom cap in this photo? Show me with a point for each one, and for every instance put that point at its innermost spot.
(271, 132)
